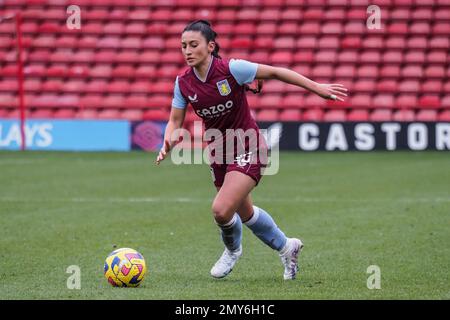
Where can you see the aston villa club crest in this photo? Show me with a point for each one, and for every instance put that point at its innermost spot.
(224, 87)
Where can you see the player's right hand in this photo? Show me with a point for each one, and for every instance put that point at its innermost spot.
(163, 152)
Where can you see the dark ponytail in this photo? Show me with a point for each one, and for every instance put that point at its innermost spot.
(204, 27)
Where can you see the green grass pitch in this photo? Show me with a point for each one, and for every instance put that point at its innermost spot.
(352, 210)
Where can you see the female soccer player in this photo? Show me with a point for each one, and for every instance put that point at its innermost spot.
(216, 88)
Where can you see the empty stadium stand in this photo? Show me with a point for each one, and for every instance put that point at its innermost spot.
(124, 60)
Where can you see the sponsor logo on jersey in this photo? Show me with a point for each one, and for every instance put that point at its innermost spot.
(224, 87)
(193, 99)
(215, 111)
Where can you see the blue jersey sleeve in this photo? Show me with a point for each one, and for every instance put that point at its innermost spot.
(178, 100)
(243, 71)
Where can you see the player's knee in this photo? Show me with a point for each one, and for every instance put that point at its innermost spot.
(222, 213)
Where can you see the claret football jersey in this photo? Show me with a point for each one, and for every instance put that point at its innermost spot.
(219, 99)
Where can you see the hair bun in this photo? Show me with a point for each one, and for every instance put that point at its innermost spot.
(204, 22)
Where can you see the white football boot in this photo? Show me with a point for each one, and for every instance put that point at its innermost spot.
(226, 263)
(289, 257)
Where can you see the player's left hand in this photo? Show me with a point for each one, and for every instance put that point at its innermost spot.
(332, 91)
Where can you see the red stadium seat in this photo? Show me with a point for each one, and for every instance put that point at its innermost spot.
(446, 101)
(288, 28)
(64, 114)
(259, 56)
(367, 71)
(168, 72)
(412, 71)
(400, 13)
(303, 56)
(132, 115)
(426, 115)
(411, 86)
(73, 86)
(335, 115)
(331, 28)
(355, 28)
(249, 14)
(345, 71)
(436, 57)
(281, 57)
(136, 28)
(118, 86)
(245, 28)
(101, 71)
(417, 43)
(165, 87)
(242, 42)
(291, 14)
(370, 56)
(429, 101)
(267, 115)
(266, 29)
(324, 71)
(314, 101)
(7, 100)
(313, 14)
(406, 101)
(149, 57)
(274, 86)
(98, 86)
(414, 56)
(271, 101)
(284, 43)
(422, 27)
(314, 114)
(310, 28)
(383, 101)
(351, 42)
(439, 42)
(404, 115)
(270, 14)
(381, 115)
(392, 57)
(329, 42)
(32, 85)
(290, 115)
(395, 42)
(293, 100)
(367, 86)
(444, 116)
(435, 71)
(108, 114)
(389, 86)
(358, 115)
(326, 56)
(348, 56)
(131, 43)
(158, 101)
(390, 71)
(431, 86)
(361, 101)
(123, 71)
(307, 42)
(156, 115)
(87, 114)
(262, 42)
(91, 101)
